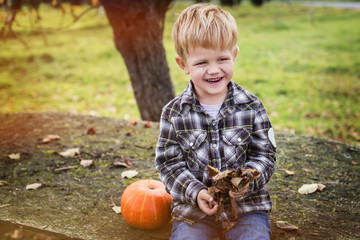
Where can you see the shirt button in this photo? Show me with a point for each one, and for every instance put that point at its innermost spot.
(191, 144)
(239, 139)
(213, 123)
(214, 145)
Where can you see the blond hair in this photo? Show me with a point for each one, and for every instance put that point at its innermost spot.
(204, 25)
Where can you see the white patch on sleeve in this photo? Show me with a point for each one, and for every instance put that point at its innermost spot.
(271, 136)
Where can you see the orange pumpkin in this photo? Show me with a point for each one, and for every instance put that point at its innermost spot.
(145, 204)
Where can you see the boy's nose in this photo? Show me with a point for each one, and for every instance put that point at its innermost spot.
(213, 69)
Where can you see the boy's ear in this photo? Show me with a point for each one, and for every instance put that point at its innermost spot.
(235, 52)
(182, 64)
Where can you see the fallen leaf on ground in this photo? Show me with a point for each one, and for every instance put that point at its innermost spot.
(129, 132)
(65, 168)
(147, 125)
(286, 225)
(307, 170)
(321, 187)
(127, 163)
(116, 209)
(129, 174)
(354, 162)
(132, 123)
(50, 137)
(70, 152)
(87, 163)
(14, 156)
(3, 183)
(308, 188)
(33, 186)
(290, 173)
(91, 131)
(5, 205)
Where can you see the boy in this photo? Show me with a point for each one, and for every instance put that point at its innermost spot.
(213, 122)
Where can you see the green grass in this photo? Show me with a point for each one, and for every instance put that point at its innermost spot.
(304, 64)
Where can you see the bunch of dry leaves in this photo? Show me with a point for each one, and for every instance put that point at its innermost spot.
(234, 180)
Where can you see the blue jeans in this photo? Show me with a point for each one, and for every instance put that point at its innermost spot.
(255, 227)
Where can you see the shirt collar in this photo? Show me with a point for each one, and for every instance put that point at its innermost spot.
(236, 95)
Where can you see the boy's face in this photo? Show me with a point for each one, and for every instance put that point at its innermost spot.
(210, 70)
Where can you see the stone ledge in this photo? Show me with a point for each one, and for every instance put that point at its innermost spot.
(76, 203)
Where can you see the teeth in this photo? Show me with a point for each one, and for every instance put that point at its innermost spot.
(214, 79)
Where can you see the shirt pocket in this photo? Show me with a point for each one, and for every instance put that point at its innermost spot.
(193, 145)
(236, 142)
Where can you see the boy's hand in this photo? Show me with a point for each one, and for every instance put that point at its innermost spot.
(206, 203)
(241, 193)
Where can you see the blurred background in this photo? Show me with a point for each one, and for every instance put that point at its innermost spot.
(301, 59)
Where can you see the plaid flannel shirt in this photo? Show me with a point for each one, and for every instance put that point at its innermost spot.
(190, 139)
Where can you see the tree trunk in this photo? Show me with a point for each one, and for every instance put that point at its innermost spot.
(138, 30)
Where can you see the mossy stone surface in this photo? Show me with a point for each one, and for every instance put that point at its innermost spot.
(76, 203)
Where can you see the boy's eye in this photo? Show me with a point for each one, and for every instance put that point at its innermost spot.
(200, 63)
(223, 59)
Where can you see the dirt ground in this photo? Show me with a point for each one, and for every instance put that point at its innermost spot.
(76, 202)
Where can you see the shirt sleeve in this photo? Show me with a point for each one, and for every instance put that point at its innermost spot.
(262, 150)
(179, 182)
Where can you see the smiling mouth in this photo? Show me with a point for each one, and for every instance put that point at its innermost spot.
(214, 80)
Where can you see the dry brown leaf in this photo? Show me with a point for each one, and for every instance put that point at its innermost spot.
(65, 168)
(321, 187)
(147, 125)
(14, 156)
(70, 152)
(286, 225)
(308, 188)
(33, 186)
(87, 163)
(129, 174)
(3, 183)
(236, 181)
(227, 226)
(120, 164)
(129, 132)
(127, 163)
(50, 137)
(133, 123)
(212, 171)
(91, 131)
(117, 209)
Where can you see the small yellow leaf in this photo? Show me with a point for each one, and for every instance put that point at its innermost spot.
(117, 209)
(51, 137)
(14, 156)
(286, 225)
(129, 174)
(70, 152)
(289, 172)
(87, 163)
(308, 188)
(2, 183)
(33, 186)
(321, 187)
